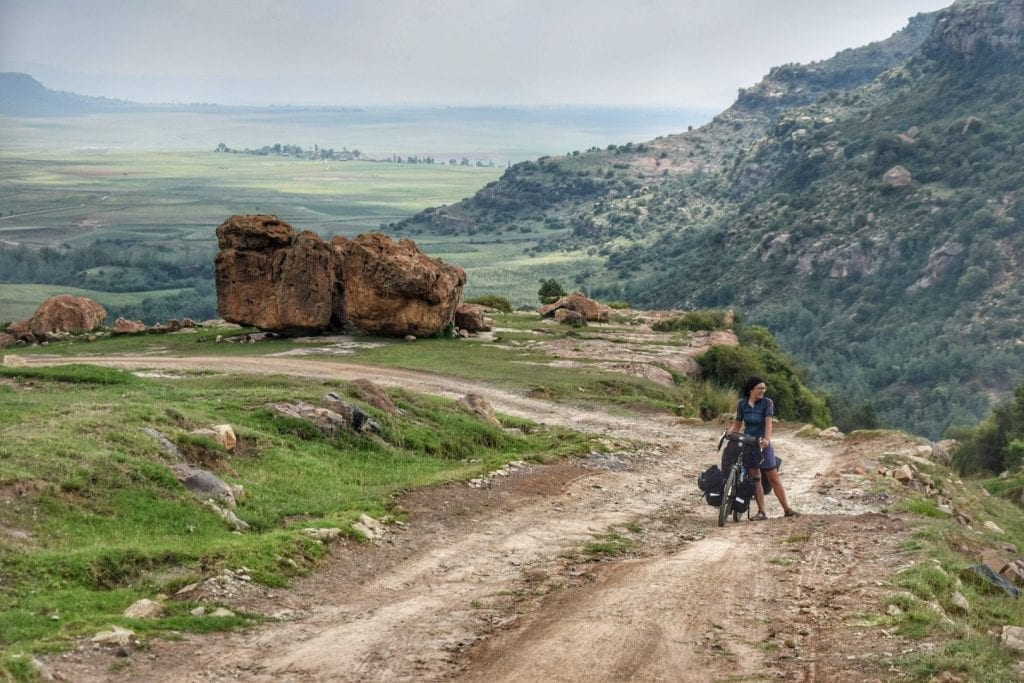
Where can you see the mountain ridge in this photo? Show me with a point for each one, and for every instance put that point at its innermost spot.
(903, 297)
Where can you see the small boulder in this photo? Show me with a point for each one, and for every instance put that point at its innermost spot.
(326, 534)
(471, 318)
(479, 406)
(577, 301)
(144, 609)
(203, 483)
(125, 326)
(897, 176)
(58, 317)
(369, 528)
(1013, 637)
(375, 396)
(116, 636)
(903, 473)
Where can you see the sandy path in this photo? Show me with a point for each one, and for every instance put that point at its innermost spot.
(488, 594)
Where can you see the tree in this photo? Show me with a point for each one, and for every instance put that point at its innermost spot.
(550, 291)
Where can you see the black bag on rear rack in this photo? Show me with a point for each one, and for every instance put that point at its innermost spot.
(710, 481)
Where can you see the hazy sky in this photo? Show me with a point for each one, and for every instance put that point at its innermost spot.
(690, 53)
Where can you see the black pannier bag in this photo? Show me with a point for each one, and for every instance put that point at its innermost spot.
(710, 481)
(744, 494)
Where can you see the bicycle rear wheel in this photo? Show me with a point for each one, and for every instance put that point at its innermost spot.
(728, 493)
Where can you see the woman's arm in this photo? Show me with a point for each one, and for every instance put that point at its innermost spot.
(767, 431)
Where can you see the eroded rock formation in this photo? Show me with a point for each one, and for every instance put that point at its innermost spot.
(271, 277)
(392, 288)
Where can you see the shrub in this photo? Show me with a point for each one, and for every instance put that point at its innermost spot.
(693, 321)
(550, 291)
(498, 303)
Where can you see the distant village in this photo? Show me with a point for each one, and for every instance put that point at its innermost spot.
(316, 152)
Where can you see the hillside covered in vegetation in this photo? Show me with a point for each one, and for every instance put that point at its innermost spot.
(865, 208)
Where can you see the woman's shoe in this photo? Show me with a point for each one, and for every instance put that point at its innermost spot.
(759, 517)
(792, 513)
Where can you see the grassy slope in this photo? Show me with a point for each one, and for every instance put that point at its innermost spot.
(94, 519)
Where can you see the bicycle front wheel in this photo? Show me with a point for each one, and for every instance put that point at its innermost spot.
(728, 494)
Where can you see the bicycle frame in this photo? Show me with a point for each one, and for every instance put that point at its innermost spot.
(733, 475)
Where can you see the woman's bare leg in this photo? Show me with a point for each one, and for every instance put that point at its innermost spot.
(780, 491)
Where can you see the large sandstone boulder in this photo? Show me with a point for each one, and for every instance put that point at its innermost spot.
(392, 288)
(271, 277)
(577, 301)
(58, 315)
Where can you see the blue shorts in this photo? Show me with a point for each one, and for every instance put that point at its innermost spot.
(762, 460)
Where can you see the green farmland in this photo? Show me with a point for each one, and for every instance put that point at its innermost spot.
(183, 196)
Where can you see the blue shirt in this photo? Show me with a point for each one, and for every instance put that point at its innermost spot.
(755, 417)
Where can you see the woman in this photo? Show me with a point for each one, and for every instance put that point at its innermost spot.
(754, 413)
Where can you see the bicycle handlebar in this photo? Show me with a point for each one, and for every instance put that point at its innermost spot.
(740, 437)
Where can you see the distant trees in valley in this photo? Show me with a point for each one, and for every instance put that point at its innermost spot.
(317, 152)
(123, 266)
(277, 149)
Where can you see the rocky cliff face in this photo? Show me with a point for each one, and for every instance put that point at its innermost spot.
(979, 28)
(271, 277)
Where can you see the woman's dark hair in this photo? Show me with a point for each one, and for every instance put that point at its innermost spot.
(749, 385)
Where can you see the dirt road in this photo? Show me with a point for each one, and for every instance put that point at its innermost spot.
(490, 584)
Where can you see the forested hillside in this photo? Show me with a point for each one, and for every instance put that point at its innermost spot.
(866, 208)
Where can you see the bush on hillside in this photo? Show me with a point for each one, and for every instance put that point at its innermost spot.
(731, 366)
(995, 445)
(498, 303)
(693, 321)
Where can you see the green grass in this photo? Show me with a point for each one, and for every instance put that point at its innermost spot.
(104, 522)
(940, 568)
(608, 545)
